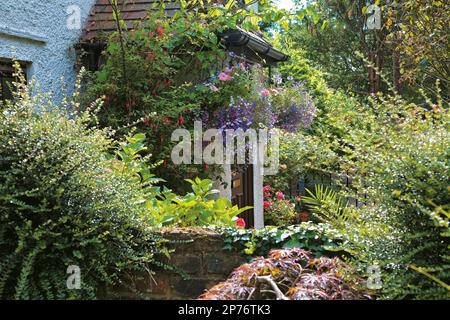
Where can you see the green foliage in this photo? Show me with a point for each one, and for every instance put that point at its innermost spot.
(299, 156)
(328, 206)
(330, 32)
(320, 239)
(63, 203)
(128, 159)
(196, 208)
(411, 45)
(423, 43)
(397, 154)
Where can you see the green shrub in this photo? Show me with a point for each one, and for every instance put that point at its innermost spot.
(320, 239)
(398, 156)
(63, 202)
(196, 208)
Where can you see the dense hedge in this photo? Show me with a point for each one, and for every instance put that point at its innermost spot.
(63, 203)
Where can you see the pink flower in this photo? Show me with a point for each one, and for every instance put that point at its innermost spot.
(267, 204)
(228, 70)
(160, 31)
(267, 188)
(240, 223)
(279, 195)
(213, 88)
(265, 93)
(224, 77)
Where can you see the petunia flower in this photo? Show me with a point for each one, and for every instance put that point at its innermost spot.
(224, 77)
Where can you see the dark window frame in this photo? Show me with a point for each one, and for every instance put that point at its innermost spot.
(6, 76)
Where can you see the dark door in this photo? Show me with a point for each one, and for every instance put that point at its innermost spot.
(242, 192)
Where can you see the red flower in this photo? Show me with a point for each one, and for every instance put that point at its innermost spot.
(280, 195)
(267, 204)
(166, 120)
(181, 120)
(267, 188)
(151, 34)
(146, 121)
(240, 223)
(160, 31)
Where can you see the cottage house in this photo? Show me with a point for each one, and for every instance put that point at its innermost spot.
(48, 37)
(41, 35)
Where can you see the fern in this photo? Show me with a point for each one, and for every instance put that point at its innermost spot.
(328, 206)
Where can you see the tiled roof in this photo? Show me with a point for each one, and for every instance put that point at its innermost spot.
(101, 21)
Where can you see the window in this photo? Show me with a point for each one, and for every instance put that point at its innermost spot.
(6, 79)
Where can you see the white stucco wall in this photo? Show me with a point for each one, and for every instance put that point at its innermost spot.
(36, 31)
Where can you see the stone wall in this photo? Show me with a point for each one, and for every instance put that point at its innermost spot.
(198, 253)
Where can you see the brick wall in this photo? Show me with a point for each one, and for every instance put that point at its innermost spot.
(201, 257)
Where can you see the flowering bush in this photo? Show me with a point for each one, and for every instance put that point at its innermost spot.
(150, 80)
(289, 107)
(278, 210)
(64, 202)
(294, 107)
